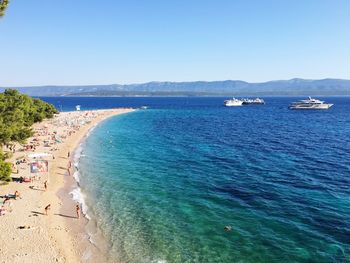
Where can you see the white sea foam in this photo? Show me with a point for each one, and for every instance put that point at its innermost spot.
(76, 157)
(90, 130)
(77, 194)
(91, 239)
(79, 197)
(77, 154)
(76, 176)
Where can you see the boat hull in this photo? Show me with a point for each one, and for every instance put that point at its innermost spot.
(234, 104)
(253, 103)
(311, 107)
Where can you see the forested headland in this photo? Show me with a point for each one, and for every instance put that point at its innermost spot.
(18, 112)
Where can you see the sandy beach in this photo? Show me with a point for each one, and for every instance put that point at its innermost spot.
(27, 233)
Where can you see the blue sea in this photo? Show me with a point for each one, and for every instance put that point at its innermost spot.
(161, 184)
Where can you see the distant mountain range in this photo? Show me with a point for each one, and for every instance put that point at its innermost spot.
(199, 88)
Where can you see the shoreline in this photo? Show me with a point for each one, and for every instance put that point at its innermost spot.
(88, 250)
(58, 237)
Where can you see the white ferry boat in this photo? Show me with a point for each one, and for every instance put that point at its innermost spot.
(310, 104)
(233, 102)
(253, 101)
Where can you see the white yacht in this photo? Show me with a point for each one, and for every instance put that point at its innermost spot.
(253, 101)
(310, 104)
(233, 102)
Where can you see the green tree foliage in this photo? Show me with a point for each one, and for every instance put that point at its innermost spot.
(5, 168)
(3, 6)
(5, 171)
(18, 112)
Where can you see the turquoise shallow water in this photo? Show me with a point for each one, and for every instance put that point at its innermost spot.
(162, 183)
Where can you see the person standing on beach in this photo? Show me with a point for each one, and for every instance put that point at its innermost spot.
(45, 185)
(77, 208)
(48, 207)
(68, 155)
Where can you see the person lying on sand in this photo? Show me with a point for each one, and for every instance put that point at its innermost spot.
(26, 227)
(9, 196)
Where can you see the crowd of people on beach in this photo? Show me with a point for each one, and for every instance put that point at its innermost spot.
(47, 139)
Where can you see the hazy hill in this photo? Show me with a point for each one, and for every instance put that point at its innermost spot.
(204, 88)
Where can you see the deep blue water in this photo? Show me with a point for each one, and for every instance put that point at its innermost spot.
(162, 183)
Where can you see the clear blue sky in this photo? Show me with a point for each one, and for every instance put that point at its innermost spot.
(102, 42)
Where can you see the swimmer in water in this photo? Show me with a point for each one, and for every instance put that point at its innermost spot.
(227, 228)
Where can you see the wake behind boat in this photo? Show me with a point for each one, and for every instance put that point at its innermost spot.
(310, 104)
(233, 102)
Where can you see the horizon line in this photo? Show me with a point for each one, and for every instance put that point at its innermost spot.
(155, 81)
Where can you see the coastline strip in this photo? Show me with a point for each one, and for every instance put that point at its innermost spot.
(27, 234)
